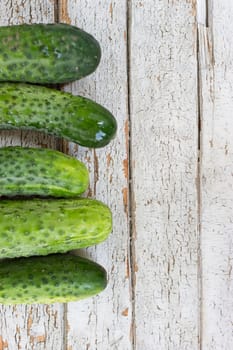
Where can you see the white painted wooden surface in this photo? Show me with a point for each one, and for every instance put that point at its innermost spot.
(168, 80)
(216, 68)
(164, 135)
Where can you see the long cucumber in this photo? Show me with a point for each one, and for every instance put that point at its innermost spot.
(46, 53)
(40, 171)
(49, 279)
(41, 227)
(75, 118)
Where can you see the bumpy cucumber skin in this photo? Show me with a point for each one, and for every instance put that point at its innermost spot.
(40, 172)
(40, 227)
(75, 118)
(44, 280)
(46, 53)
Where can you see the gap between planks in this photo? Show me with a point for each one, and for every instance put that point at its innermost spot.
(202, 19)
(198, 186)
(132, 248)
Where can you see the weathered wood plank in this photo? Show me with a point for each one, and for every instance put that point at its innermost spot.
(164, 155)
(104, 322)
(216, 67)
(38, 326)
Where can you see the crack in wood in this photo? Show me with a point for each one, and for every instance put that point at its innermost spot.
(204, 54)
(198, 187)
(131, 211)
(56, 11)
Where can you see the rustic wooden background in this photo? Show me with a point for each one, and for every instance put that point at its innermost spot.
(167, 75)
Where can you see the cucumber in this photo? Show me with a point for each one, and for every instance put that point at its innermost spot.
(46, 53)
(40, 171)
(62, 114)
(41, 227)
(49, 279)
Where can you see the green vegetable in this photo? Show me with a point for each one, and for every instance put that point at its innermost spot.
(39, 171)
(55, 278)
(41, 227)
(62, 114)
(46, 53)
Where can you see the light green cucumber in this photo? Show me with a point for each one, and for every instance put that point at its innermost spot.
(74, 118)
(46, 53)
(49, 279)
(41, 227)
(40, 171)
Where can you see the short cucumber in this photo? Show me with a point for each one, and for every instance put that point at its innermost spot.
(40, 171)
(62, 114)
(41, 227)
(49, 279)
(46, 53)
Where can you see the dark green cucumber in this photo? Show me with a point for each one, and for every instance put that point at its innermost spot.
(49, 279)
(62, 114)
(41, 227)
(46, 53)
(40, 171)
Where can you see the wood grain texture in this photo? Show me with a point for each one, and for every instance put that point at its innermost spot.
(164, 135)
(216, 67)
(34, 327)
(104, 322)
